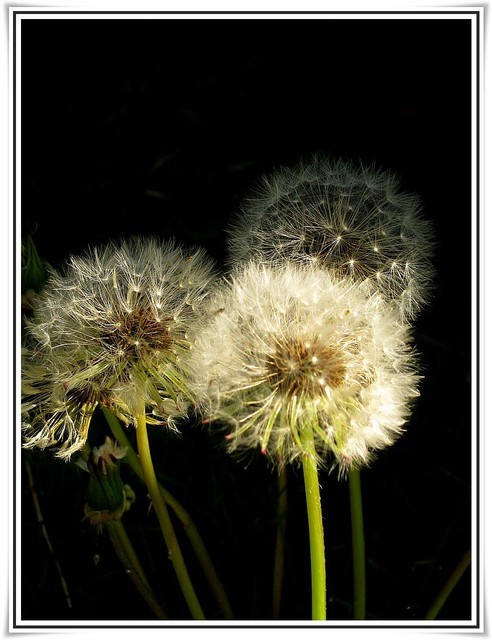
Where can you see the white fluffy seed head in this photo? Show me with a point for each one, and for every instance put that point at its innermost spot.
(351, 219)
(112, 329)
(287, 348)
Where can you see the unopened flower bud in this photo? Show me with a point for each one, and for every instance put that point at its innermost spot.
(107, 497)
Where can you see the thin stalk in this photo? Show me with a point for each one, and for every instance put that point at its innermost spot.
(119, 530)
(128, 558)
(449, 585)
(315, 519)
(164, 519)
(278, 568)
(358, 545)
(44, 533)
(189, 526)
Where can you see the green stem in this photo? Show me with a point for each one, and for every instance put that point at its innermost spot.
(189, 526)
(449, 585)
(315, 519)
(164, 519)
(128, 558)
(358, 546)
(278, 569)
(118, 528)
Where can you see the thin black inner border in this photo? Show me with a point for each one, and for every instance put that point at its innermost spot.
(15, 625)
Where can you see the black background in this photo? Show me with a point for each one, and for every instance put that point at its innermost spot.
(162, 126)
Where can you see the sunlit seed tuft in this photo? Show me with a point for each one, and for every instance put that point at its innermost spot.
(283, 348)
(99, 337)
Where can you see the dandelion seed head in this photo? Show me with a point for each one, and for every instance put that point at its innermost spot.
(283, 354)
(112, 326)
(354, 220)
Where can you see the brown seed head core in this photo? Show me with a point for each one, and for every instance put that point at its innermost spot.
(303, 366)
(138, 334)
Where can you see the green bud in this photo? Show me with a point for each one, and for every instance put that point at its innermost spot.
(107, 497)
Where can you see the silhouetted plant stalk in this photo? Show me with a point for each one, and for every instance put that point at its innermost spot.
(44, 533)
(128, 558)
(279, 559)
(449, 585)
(189, 526)
(358, 545)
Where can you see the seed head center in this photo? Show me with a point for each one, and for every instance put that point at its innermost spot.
(305, 367)
(139, 333)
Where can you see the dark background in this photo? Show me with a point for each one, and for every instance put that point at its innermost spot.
(162, 126)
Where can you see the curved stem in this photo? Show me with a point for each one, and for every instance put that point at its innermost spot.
(189, 526)
(164, 519)
(278, 569)
(128, 558)
(449, 585)
(315, 519)
(358, 545)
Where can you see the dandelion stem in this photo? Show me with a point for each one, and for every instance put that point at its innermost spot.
(44, 533)
(358, 545)
(315, 519)
(175, 554)
(128, 558)
(278, 569)
(449, 585)
(189, 526)
(118, 529)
